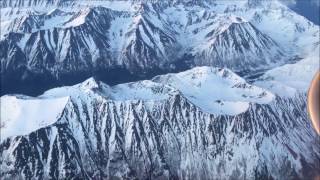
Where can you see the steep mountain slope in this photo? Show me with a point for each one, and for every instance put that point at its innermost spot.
(289, 79)
(56, 40)
(201, 123)
(236, 44)
(224, 40)
(21, 3)
(150, 130)
(91, 41)
(69, 48)
(149, 42)
(218, 91)
(289, 29)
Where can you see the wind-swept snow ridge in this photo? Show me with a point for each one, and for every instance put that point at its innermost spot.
(91, 88)
(216, 90)
(148, 129)
(290, 79)
(21, 115)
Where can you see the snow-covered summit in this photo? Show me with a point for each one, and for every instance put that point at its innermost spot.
(290, 79)
(90, 84)
(63, 38)
(164, 124)
(216, 90)
(22, 115)
(202, 123)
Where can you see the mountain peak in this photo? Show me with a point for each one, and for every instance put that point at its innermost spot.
(202, 73)
(216, 90)
(201, 123)
(55, 11)
(90, 84)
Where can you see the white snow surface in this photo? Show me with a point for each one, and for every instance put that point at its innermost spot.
(142, 90)
(207, 88)
(289, 79)
(78, 19)
(287, 28)
(23, 115)
(91, 88)
(216, 90)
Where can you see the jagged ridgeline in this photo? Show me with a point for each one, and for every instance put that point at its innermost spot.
(45, 44)
(139, 106)
(148, 130)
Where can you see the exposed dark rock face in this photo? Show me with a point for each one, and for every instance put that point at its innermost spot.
(55, 47)
(101, 138)
(153, 129)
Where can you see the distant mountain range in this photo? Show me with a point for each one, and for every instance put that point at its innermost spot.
(55, 44)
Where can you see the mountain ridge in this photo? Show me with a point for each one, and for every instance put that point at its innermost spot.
(166, 137)
(141, 43)
(120, 91)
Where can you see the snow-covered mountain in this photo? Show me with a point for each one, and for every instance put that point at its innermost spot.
(289, 79)
(218, 91)
(54, 41)
(148, 130)
(225, 95)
